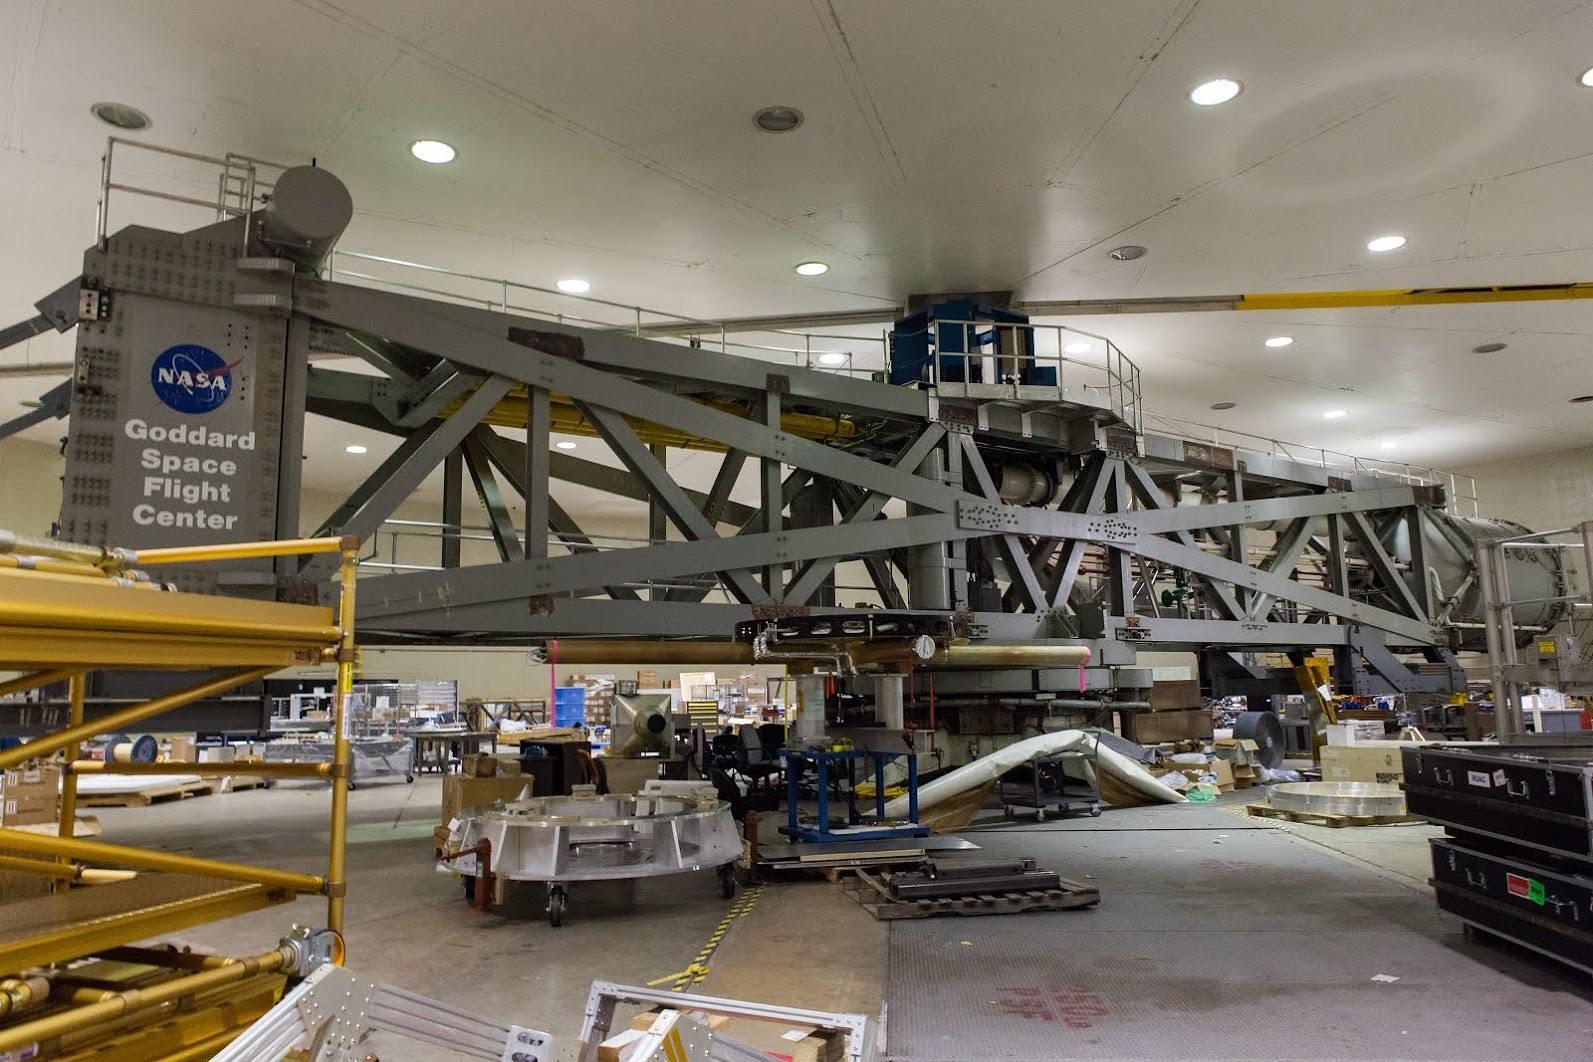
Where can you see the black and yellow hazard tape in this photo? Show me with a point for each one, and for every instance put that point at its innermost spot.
(694, 973)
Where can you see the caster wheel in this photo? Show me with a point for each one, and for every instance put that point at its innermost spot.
(1039, 815)
(727, 881)
(409, 778)
(1095, 811)
(470, 887)
(557, 902)
(352, 787)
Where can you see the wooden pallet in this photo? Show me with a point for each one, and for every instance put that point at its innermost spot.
(1311, 818)
(238, 782)
(875, 898)
(132, 798)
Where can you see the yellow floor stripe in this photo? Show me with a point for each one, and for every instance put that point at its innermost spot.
(694, 974)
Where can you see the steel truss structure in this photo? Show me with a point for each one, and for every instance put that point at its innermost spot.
(1146, 540)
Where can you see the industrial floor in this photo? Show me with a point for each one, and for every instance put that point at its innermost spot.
(1218, 936)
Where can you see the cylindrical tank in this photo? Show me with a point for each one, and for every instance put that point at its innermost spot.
(1028, 483)
(1450, 542)
(308, 211)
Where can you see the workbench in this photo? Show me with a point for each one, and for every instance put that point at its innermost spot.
(822, 762)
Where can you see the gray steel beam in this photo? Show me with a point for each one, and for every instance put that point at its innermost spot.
(401, 473)
(880, 572)
(396, 595)
(383, 356)
(1091, 484)
(1238, 547)
(453, 508)
(772, 496)
(1383, 565)
(630, 449)
(1220, 598)
(23, 330)
(433, 327)
(865, 511)
(1285, 555)
(1119, 562)
(290, 443)
(712, 506)
(1197, 634)
(53, 404)
(1166, 519)
(1012, 551)
(57, 310)
(441, 386)
(1418, 575)
(499, 522)
(538, 425)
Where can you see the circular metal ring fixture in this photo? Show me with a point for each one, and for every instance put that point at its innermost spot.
(121, 116)
(778, 119)
(1488, 348)
(1126, 253)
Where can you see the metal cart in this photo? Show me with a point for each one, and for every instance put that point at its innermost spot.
(1050, 786)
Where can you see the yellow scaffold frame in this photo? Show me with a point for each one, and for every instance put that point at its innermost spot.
(66, 610)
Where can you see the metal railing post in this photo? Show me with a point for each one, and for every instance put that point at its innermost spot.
(336, 884)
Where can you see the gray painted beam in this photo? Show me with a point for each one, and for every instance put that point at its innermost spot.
(396, 595)
(712, 506)
(431, 327)
(1150, 496)
(54, 403)
(499, 523)
(772, 496)
(440, 387)
(1163, 520)
(453, 508)
(1012, 551)
(538, 425)
(1383, 566)
(1285, 555)
(636, 455)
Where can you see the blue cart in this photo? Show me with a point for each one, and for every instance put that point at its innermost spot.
(822, 762)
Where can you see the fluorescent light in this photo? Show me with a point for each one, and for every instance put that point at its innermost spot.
(1279, 341)
(564, 444)
(1387, 444)
(832, 358)
(574, 286)
(812, 269)
(353, 448)
(1076, 348)
(1587, 78)
(1385, 243)
(1335, 414)
(433, 151)
(1218, 90)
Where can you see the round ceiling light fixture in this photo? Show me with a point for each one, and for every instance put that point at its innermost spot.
(1387, 444)
(1220, 406)
(354, 448)
(564, 444)
(832, 358)
(1382, 244)
(1488, 348)
(1217, 90)
(1278, 341)
(811, 269)
(778, 119)
(1586, 80)
(1079, 347)
(1335, 414)
(435, 152)
(120, 115)
(573, 286)
(1582, 398)
(1126, 253)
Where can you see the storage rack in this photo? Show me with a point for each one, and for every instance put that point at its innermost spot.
(67, 610)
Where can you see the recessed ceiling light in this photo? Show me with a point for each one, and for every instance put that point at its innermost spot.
(1215, 91)
(564, 444)
(832, 358)
(812, 269)
(1488, 348)
(1223, 405)
(353, 448)
(1335, 414)
(778, 119)
(573, 286)
(121, 116)
(433, 151)
(1586, 80)
(1279, 341)
(1080, 347)
(1385, 243)
(1387, 444)
(1126, 253)
(1583, 398)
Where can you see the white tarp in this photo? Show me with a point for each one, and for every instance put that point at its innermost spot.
(988, 768)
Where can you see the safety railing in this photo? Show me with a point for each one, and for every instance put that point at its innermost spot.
(241, 183)
(68, 610)
(1024, 361)
(1460, 490)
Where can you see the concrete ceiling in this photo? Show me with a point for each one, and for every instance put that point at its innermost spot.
(948, 146)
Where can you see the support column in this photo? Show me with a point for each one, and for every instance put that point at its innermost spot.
(815, 507)
(657, 525)
(452, 507)
(928, 582)
(1120, 563)
(771, 497)
(538, 425)
(1238, 550)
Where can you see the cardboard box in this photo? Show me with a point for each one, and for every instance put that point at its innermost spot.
(1171, 696)
(478, 765)
(1224, 772)
(27, 811)
(460, 791)
(1354, 732)
(180, 750)
(28, 794)
(1364, 762)
(647, 680)
(218, 754)
(1152, 727)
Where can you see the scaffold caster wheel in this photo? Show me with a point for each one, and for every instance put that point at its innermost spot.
(1095, 811)
(1039, 814)
(409, 778)
(557, 902)
(727, 880)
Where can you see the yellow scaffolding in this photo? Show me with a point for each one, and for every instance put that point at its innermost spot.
(66, 610)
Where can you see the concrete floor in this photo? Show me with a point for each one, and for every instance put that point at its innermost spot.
(1218, 936)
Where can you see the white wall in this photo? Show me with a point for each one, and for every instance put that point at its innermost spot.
(1543, 492)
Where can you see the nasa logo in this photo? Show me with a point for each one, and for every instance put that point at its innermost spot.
(190, 378)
